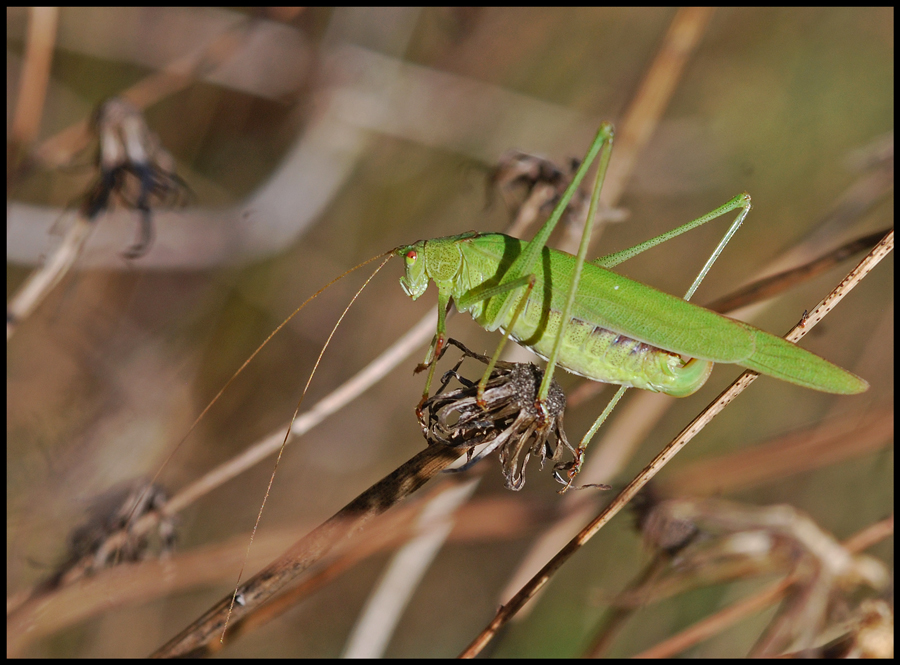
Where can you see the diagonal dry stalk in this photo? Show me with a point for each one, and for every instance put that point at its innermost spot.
(228, 618)
(203, 636)
(619, 146)
(673, 448)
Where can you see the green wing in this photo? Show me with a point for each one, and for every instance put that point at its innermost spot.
(665, 321)
(641, 312)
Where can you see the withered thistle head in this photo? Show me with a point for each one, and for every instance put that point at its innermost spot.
(509, 420)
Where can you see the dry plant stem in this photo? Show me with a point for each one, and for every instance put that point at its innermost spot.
(42, 280)
(821, 445)
(417, 336)
(371, 374)
(769, 287)
(391, 531)
(204, 635)
(799, 331)
(487, 520)
(29, 110)
(388, 601)
(729, 616)
(530, 209)
(871, 535)
(337, 399)
(620, 614)
(718, 622)
(648, 105)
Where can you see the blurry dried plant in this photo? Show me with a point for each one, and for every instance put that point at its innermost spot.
(705, 542)
(104, 539)
(518, 175)
(868, 633)
(134, 168)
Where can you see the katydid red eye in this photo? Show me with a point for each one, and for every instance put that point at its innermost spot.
(411, 255)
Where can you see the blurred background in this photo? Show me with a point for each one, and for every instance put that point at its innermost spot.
(314, 139)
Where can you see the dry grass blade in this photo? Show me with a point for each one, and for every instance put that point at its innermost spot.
(769, 287)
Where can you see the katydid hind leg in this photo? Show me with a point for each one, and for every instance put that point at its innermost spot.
(523, 266)
(605, 136)
(742, 203)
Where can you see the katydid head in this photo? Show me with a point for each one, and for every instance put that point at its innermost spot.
(415, 277)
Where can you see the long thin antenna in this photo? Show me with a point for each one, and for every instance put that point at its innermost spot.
(250, 359)
(287, 434)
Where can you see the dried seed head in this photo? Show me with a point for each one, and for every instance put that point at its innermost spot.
(105, 538)
(134, 169)
(509, 421)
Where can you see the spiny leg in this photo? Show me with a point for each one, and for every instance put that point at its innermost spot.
(605, 136)
(741, 202)
(523, 266)
(435, 351)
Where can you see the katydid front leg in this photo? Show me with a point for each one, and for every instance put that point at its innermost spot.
(527, 282)
(436, 350)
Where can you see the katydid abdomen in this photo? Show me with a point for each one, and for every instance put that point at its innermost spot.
(620, 331)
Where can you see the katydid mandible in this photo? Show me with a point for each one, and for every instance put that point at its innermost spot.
(594, 322)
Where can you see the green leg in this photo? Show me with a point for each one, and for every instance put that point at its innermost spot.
(438, 341)
(523, 267)
(435, 350)
(482, 385)
(741, 202)
(605, 135)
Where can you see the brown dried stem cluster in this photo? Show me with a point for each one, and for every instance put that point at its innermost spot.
(508, 421)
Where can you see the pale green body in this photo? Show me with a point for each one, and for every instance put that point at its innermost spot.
(620, 331)
(594, 322)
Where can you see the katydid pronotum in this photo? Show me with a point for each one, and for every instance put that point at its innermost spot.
(593, 322)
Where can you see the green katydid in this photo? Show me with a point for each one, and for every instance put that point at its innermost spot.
(593, 322)
(578, 315)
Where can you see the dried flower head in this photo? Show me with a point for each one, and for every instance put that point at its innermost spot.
(509, 421)
(134, 167)
(105, 539)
